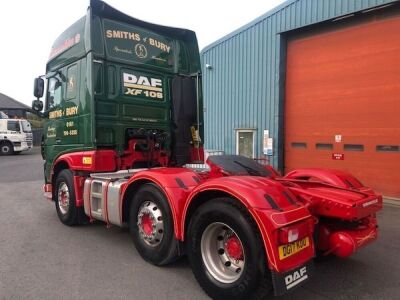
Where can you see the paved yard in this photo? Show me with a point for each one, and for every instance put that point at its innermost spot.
(42, 259)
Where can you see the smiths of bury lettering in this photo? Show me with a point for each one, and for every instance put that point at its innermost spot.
(56, 114)
(119, 34)
(71, 111)
(159, 45)
(129, 35)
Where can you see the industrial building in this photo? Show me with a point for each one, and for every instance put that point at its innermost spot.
(312, 83)
(12, 107)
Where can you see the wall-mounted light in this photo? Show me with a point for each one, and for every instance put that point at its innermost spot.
(209, 67)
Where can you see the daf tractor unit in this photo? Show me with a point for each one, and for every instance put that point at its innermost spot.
(123, 144)
(15, 135)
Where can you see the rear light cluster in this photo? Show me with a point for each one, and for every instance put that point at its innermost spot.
(295, 232)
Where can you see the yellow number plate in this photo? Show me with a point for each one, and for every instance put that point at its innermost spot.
(292, 248)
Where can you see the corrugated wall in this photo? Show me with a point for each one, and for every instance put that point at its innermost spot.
(242, 89)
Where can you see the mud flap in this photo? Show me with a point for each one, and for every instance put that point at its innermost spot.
(288, 281)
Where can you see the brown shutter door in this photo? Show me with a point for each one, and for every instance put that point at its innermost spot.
(342, 105)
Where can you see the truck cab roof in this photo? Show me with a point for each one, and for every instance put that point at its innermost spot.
(87, 34)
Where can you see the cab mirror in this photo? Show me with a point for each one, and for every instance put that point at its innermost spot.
(38, 88)
(37, 105)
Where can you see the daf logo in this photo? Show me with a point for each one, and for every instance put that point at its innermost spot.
(296, 277)
(143, 82)
(141, 51)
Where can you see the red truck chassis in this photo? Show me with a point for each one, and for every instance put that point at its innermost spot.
(246, 229)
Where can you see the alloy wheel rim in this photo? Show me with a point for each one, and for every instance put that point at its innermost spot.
(150, 223)
(63, 198)
(222, 252)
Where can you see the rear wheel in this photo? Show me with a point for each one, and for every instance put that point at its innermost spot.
(226, 252)
(151, 226)
(65, 203)
(6, 148)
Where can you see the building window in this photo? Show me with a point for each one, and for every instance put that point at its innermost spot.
(245, 142)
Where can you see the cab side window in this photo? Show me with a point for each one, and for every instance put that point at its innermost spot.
(54, 94)
(72, 83)
(13, 126)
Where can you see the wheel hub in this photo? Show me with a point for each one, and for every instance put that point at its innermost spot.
(222, 252)
(233, 248)
(150, 223)
(63, 198)
(147, 224)
(5, 149)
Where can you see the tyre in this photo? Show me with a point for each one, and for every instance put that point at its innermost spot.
(6, 148)
(64, 196)
(151, 226)
(226, 253)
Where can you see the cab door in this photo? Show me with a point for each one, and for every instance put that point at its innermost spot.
(52, 129)
(62, 128)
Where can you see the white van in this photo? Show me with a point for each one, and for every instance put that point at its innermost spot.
(15, 136)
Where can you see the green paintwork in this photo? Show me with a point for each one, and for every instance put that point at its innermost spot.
(95, 105)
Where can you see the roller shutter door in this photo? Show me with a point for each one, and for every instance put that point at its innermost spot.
(342, 103)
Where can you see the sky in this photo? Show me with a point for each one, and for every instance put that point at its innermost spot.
(28, 29)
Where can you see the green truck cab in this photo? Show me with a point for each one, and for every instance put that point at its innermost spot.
(125, 87)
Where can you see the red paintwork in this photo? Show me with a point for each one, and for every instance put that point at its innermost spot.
(271, 238)
(101, 161)
(334, 194)
(337, 195)
(78, 185)
(335, 177)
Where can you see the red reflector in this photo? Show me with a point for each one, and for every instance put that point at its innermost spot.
(47, 188)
